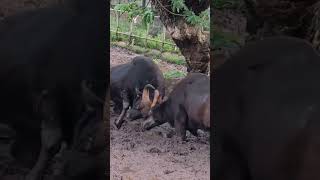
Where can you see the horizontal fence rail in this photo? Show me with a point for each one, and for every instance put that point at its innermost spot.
(130, 34)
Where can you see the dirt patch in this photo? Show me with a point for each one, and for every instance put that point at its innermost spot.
(158, 153)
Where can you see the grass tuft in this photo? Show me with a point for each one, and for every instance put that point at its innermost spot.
(174, 74)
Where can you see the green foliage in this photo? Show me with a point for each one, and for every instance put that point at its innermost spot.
(115, 38)
(174, 74)
(205, 19)
(192, 18)
(174, 58)
(133, 10)
(154, 53)
(178, 5)
(139, 49)
(202, 20)
(147, 17)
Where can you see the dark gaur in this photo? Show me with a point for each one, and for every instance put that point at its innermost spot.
(266, 112)
(127, 83)
(187, 107)
(50, 54)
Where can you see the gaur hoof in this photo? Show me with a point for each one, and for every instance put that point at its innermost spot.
(145, 126)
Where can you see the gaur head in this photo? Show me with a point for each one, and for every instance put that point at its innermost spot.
(142, 103)
(155, 116)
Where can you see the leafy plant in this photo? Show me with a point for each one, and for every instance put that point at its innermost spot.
(202, 19)
(205, 19)
(178, 5)
(133, 10)
(147, 17)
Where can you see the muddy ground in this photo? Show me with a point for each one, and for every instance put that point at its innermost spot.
(151, 155)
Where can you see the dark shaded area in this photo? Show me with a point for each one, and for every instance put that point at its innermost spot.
(197, 6)
(263, 18)
(266, 114)
(55, 58)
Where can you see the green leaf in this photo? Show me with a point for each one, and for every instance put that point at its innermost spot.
(178, 5)
(192, 18)
(147, 17)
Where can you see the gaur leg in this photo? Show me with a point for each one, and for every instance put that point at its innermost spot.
(51, 135)
(117, 106)
(180, 123)
(134, 114)
(125, 107)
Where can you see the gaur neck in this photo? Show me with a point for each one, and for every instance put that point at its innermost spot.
(166, 113)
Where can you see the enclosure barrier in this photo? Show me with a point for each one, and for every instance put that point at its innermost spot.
(130, 33)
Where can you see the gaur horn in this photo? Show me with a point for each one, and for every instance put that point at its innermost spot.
(155, 98)
(145, 94)
(149, 86)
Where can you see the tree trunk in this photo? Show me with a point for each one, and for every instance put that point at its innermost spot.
(298, 18)
(191, 40)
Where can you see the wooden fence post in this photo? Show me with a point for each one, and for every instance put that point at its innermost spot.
(130, 33)
(163, 38)
(117, 18)
(145, 42)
